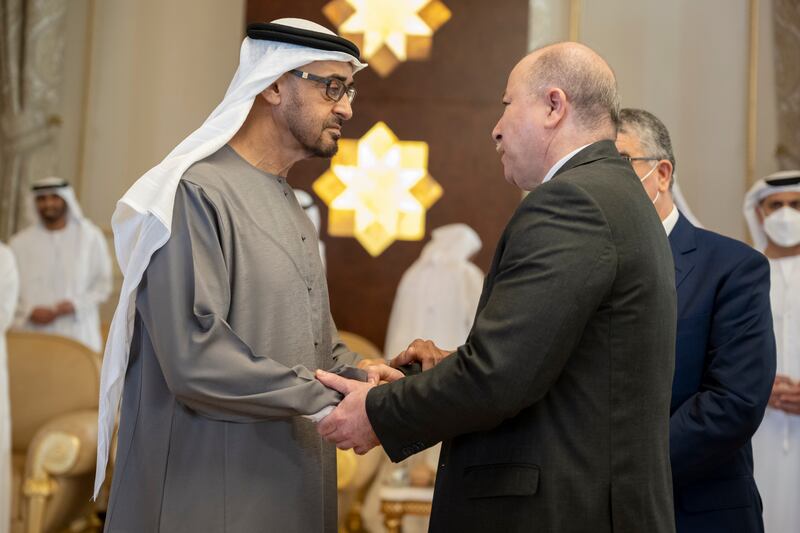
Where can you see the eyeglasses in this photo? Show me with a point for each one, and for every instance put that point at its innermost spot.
(630, 159)
(334, 88)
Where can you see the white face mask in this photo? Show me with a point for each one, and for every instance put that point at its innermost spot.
(647, 176)
(783, 226)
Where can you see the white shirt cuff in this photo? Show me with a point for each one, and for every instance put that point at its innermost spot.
(319, 415)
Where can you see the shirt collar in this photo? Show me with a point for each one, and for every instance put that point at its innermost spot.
(671, 220)
(560, 163)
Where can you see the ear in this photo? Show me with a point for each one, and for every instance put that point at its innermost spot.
(759, 213)
(272, 94)
(664, 174)
(556, 102)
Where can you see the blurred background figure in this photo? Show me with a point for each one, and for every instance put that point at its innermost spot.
(436, 299)
(64, 264)
(438, 294)
(9, 288)
(772, 210)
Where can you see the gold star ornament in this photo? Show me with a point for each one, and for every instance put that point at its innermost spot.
(388, 32)
(378, 189)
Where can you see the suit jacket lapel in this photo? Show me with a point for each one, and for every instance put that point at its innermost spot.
(683, 243)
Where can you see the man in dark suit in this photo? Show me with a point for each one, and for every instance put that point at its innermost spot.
(725, 352)
(555, 411)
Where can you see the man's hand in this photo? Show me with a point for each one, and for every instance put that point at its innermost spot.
(382, 373)
(378, 371)
(42, 315)
(785, 395)
(424, 352)
(65, 307)
(348, 425)
(778, 386)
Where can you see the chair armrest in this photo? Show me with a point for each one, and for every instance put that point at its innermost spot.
(64, 446)
(61, 452)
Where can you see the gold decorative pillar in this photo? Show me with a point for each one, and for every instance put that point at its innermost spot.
(752, 95)
(575, 12)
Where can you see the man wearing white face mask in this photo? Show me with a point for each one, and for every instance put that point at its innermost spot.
(772, 210)
(724, 350)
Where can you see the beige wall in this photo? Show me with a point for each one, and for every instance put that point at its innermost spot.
(685, 61)
(72, 112)
(548, 22)
(157, 70)
(139, 76)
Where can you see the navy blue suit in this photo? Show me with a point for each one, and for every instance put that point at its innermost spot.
(724, 369)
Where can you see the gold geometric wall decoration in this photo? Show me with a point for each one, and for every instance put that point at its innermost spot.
(388, 32)
(378, 189)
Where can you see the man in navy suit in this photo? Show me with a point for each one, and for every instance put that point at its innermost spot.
(725, 350)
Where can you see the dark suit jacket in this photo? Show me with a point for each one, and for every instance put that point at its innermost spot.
(555, 412)
(724, 368)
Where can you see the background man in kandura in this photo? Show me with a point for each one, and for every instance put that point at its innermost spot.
(772, 211)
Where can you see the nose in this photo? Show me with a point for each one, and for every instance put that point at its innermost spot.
(496, 135)
(46, 202)
(343, 109)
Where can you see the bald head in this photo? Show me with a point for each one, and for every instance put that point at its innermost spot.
(584, 76)
(557, 100)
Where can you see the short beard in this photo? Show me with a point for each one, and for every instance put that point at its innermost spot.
(299, 128)
(320, 149)
(52, 216)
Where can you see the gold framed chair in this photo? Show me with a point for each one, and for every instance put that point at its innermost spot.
(54, 386)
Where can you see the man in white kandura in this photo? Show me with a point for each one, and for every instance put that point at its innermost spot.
(64, 265)
(772, 210)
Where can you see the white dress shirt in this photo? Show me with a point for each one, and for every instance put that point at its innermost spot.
(560, 163)
(671, 220)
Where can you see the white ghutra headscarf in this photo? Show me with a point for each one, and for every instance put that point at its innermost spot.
(774, 183)
(59, 187)
(143, 217)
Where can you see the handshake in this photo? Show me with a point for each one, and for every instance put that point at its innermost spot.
(348, 425)
(421, 354)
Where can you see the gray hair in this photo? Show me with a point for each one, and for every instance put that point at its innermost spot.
(651, 132)
(585, 78)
